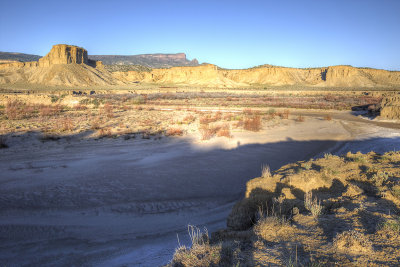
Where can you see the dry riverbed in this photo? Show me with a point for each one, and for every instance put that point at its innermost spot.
(118, 201)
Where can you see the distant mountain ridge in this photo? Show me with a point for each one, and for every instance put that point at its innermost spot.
(147, 60)
(10, 56)
(68, 65)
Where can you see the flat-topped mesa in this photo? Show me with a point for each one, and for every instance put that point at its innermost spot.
(65, 54)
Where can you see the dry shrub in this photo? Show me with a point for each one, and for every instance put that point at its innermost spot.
(352, 242)
(16, 109)
(228, 117)
(66, 124)
(96, 123)
(80, 107)
(206, 119)
(252, 123)
(390, 227)
(285, 114)
(207, 132)
(201, 252)
(174, 132)
(108, 110)
(224, 131)
(47, 110)
(248, 111)
(265, 171)
(328, 117)
(312, 204)
(300, 118)
(273, 228)
(189, 119)
(105, 132)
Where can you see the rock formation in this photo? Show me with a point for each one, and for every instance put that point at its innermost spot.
(79, 70)
(211, 75)
(390, 108)
(64, 54)
(64, 65)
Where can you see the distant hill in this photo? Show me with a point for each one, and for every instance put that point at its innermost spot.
(18, 57)
(147, 60)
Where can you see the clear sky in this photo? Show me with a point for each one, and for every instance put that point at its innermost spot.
(230, 34)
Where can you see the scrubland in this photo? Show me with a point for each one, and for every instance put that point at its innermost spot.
(321, 212)
(132, 168)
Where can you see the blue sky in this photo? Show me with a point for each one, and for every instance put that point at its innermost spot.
(231, 34)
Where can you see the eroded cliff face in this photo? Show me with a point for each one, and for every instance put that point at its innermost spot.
(78, 69)
(64, 54)
(64, 65)
(390, 108)
(211, 75)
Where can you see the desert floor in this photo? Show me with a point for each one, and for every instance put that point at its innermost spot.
(113, 202)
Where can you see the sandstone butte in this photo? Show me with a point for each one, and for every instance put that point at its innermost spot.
(67, 65)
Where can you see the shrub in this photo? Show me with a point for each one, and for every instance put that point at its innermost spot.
(47, 111)
(224, 131)
(207, 132)
(95, 123)
(300, 118)
(108, 109)
(105, 132)
(265, 171)
(380, 178)
(15, 109)
(352, 242)
(312, 204)
(328, 117)
(252, 123)
(307, 165)
(174, 131)
(391, 226)
(189, 119)
(80, 107)
(285, 114)
(66, 124)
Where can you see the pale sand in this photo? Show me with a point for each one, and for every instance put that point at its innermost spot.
(122, 202)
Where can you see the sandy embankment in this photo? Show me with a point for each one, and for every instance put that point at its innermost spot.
(114, 202)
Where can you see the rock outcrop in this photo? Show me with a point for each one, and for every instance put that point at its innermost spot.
(390, 108)
(211, 75)
(64, 54)
(64, 65)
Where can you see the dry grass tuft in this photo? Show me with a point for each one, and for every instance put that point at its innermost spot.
(352, 242)
(174, 132)
(105, 132)
(252, 123)
(300, 118)
(108, 110)
(265, 171)
(66, 125)
(312, 204)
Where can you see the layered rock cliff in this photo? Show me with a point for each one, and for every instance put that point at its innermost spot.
(64, 65)
(64, 54)
(211, 75)
(390, 108)
(147, 60)
(70, 66)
